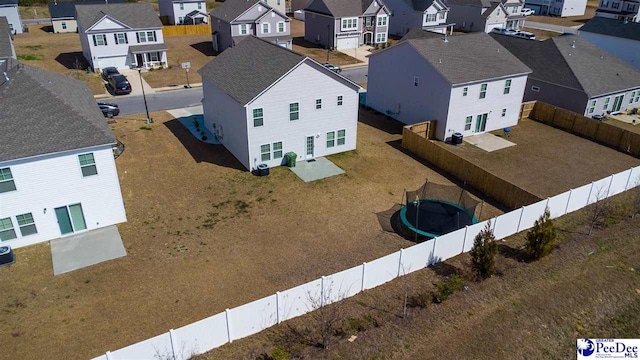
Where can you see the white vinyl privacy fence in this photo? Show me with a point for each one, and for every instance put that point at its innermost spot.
(251, 318)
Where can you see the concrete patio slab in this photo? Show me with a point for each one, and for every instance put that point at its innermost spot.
(86, 249)
(186, 116)
(317, 169)
(488, 142)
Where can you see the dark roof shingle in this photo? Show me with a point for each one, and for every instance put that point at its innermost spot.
(9, 2)
(134, 15)
(43, 112)
(67, 9)
(248, 68)
(613, 27)
(341, 8)
(231, 9)
(5, 39)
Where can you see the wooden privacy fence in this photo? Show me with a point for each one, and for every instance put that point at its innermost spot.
(609, 135)
(177, 30)
(478, 178)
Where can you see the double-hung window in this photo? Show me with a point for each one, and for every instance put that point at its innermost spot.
(258, 117)
(483, 91)
(341, 137)
(606, 104)
(592, 106)
(431, 17)
(265, 152)
(294, 111)
(340, 100)
(637, 96)
(281, 27)
(318, 104)
(507, 86)
(199, 6)
(349, 24)
(6, 181)
(467, 123)
(277, 150)
(381, 37)
(87, 165)
(99, 40)
(633, 95)
(331, 139)
(6, 230)
(265, 28)
(465, 90)
(243, 29)
(146, 36)
(504, 112)
(121, 38)
(181, 6)
(416, 81)
(382, 21)
(64, 25)
(26, 224)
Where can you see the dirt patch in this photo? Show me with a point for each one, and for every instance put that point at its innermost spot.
(547, 161)
(204, 235)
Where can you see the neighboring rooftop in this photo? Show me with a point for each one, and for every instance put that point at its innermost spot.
(231, 9)
(467, 58)
(480, 3)
(248, 68)
(571, 61)
(44, 112)
(419, 5)
(613, 27)
(8, 2)
(134, 15)
(5, 39)
(339, 8)
(419, 33)
(66, 9)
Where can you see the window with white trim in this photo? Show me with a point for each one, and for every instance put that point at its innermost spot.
(504, 112)
(199, 6)
(441, 15)
(592, 107)
(318, 104)
(266, 28)
(431, 17)
(181, 6)
(467, 123)
(483, 91)
(331, 139)
(88, 165)
(6, 180)
(6, 230)
(349, 24)
(633, 95)
(507, 86)
(26, 224)
(258, 117)
(382, 20)
(294, 111)
(154, 56)
(606, 103)
(465, 90)
(381, 37)
(99, 40)
(277, 150)
(64, 25)
(342, 134)
(265, 152)
(637, 96)
(281, 27)
(121, 38)
(340, 100)
(243, 29)
(146, 36)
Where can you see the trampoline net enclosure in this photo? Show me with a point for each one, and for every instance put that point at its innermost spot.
(433, 210)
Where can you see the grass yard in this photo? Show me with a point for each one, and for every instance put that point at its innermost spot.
(204, 235)
(541, 34)
(588, 287)
(313, 51)
(36, 11)
(547, 161)
(60, 53)
(196, 49)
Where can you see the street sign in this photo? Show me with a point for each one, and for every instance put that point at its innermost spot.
(186, 65)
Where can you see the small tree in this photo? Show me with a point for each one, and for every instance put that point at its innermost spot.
(599, 210)
(483, 253)
(541, 239)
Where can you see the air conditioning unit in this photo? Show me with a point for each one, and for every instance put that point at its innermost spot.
(6, 255)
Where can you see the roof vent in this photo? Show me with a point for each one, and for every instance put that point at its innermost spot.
(444, 38)
(439, 61)
(573, 44)
(50, 82)
(6, 77)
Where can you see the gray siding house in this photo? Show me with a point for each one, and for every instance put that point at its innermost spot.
(9, 9)
(408, 14)
(574, 74)
(346, 24)
(184, 12)
(63, 13)
(619, 37)
(620, 10)
(234, 20)
(477, 15)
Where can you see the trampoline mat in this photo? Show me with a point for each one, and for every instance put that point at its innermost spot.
(436, 217)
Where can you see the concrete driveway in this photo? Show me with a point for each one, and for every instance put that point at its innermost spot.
(360, 53)
(136, 86)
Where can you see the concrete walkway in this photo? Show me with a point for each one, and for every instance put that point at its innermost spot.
(86, 249)
(317, 169)
(488, 142)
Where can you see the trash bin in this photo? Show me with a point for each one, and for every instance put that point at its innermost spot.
(456, 138)
(6, 255)
(263, 170)
(291, 159)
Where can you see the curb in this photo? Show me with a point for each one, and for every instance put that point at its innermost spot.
(155, 91)
(354, 66)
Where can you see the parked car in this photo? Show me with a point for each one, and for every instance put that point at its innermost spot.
(525, 35)
(109, 109)
(528, 12)
(503, 31)
(332, 67)
(108, 72)
(119, 84)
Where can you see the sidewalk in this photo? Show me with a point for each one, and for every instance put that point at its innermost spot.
(147, 89)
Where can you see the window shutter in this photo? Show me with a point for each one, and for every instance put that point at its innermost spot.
(95, 42)
(138, 37)
(115, 36)
(154, 36)
(105, 40)
(126, 40)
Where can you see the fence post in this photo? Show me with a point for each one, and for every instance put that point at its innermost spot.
(226, 313)
(278, 307)
(400, 262)
(108, 355)
(520, 220)
(495, 221)
(322, 291)
(628, 180)
(590, 191)
(364, 271)
(610, 183)
(464, 240)
(566, 208)
(174, 346)
(433, 250)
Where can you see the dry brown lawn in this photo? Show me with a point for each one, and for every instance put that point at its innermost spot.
(587, 288)
(589, 13)
(621, 124)
(37, 11)
(204, 235)
(547, 161)
(313, 51)
(60, 53)
(541, 34)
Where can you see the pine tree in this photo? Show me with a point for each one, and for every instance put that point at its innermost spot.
(483, 253)
(541, 239)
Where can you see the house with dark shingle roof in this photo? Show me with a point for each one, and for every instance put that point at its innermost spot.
(121, 35)
(574, 74)
(234, 20)
(63, 13)
(620, 10)
(9, 9)
(7, 51)
(468, 83)
(619, 37)
(184, 12)
(346, 24)
(262, 101)
(482, 15)
(426, 14)
(57, 171)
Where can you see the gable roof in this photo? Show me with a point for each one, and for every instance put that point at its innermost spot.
(420, 33)
(340, 8)
(248, 68)
(5, 39)
(9, 2)
(231, 9)
(67, 9)
(467, 58)
(133, 15)
(44, 112)
(613, 27)
(419, 5)
(571, 61)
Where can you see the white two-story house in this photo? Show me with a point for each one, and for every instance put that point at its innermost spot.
(263, 101)
(619, 9)
(468, 83)
(346, 24)
(57, 172)
(561, 8)
(184, 12)
(9, 9)
(121, 35)
(429, 15)
(234, 20)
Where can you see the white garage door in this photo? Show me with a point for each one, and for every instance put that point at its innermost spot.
(494, 26)
(119, 62)
(347, 43)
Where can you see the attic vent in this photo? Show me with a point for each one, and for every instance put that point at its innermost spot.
(573, 44)
(50, 82)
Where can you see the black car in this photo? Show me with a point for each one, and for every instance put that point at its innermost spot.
(108, 72)
(109, 109)
(119, 84)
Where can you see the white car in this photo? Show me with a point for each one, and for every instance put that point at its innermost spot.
(503, 31)
(528, 12)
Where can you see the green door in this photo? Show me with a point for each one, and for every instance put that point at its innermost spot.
(64, 221)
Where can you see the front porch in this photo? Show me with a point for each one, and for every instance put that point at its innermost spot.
(515, 22)
(148, 56)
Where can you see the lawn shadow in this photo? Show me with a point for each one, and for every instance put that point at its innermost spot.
(512, 253)
(203, 152)
(300, 41)
(379, 121)
(47, 28)
(444, 269)
(205, 48)
(73, 60)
